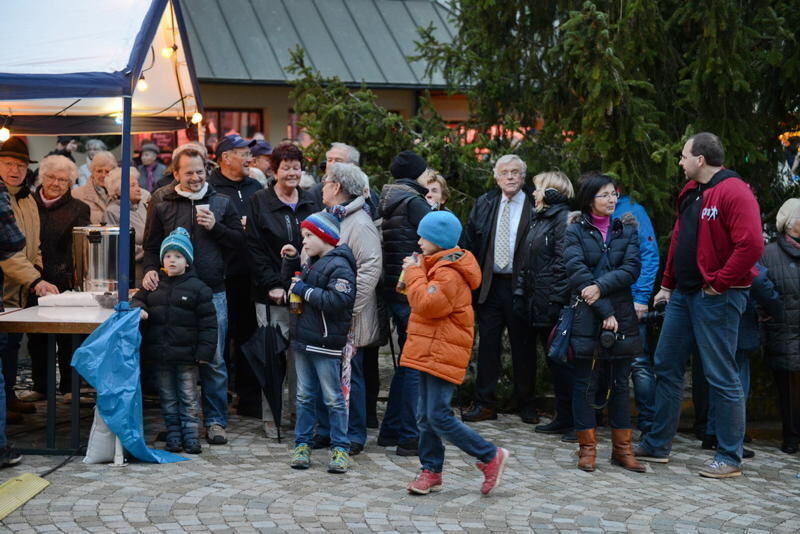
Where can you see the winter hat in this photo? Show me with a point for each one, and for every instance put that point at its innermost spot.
(441, 228)
(178, 240)
(407, 164)
(790, 210)
(151, 147)
(323, 225)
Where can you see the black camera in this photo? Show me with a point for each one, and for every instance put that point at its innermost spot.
(607, 339)
(655, 316)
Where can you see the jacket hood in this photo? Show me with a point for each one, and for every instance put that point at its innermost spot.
(721, 175)
(459, 259)
(394, 193)
(354, 206)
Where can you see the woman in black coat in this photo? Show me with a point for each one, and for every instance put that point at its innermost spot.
(542, 287)
(602, 261)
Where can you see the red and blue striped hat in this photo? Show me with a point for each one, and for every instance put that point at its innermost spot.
(323, 225)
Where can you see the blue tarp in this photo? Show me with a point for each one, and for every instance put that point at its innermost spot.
(109, 361)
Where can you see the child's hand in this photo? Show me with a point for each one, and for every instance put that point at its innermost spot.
(288, 251)
(144, 315)
(410, 261)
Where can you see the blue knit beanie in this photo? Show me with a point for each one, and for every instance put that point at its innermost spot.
(441, 228)
(178, 240)
(323, 225)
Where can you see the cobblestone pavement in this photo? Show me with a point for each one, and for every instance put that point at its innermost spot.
(247, 486)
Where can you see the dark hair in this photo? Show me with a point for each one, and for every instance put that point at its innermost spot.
(590, 185)
(285, 152)
(710, 147)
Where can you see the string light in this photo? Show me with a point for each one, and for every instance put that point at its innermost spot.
(117, 117)
(197, 117)
(167, 51)
(142, 84)
(5, 133)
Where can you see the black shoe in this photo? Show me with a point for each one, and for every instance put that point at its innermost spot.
(529, 416)
(320, 442)
(748, 438)
(553, 427)
(372, 421)
(709, 442)
(789, 447)
(192, 446)
(479, 413)
(174, 446)
(9, 456)
(570, 436)
(387, 442)
(356, 448)
(747, 453)
(407, 448)
(161, 436)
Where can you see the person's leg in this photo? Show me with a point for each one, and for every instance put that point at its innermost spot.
(523, 359)
(716, 330)
(562, 378)
(329, 376)
(241, 327)
(491, 322)
(372, 381)
(619, 416)
(700, 396)
(431, 448)
(793, 396)
(674, 345)
(10, 363)
(3, 439)
(403, 388)
(409, 434)
(357, 413)
(644, 381)
(307, 391)
(583, 394)
(64, 351)
(214, 374)
(168, 395)
(189, 407)
(322, 431)
(37, 347)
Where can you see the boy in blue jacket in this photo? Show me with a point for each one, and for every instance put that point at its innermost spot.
(327, 286)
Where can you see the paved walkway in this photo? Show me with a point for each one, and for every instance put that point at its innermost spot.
(247, 486)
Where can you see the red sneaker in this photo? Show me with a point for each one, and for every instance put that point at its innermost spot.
(426, 482)
(493, 471)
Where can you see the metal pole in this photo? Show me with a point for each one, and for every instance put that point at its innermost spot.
(123, 275)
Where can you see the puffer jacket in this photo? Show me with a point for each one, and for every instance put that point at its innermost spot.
(57, 222)
(23, 270)
(182, 323)
(328, 294)
(402, 206)
(270, 225)
(441, 326)
(764, 296)
(782, 260)
(169, 210)
(542, 281)
(614, 273)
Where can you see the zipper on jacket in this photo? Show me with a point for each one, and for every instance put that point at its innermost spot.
(288, 227)
(324, 325)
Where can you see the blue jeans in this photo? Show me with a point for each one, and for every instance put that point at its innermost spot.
(618, 372)
(357, 410)
(214, 374)
(644, 383)
(400, 420)
(436, 421)
(743, 362)
(711, 322)
(3, 442)
(319, 376)
(177, 388)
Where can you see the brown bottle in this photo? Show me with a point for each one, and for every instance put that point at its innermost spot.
(295, 301)
(401, 283)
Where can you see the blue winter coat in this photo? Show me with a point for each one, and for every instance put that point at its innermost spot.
(648, 248)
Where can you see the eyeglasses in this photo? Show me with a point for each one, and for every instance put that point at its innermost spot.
(606, 196)
(682, 157)
(56, 180)
(510, 174)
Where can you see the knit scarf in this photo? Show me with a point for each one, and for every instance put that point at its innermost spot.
(192, 196)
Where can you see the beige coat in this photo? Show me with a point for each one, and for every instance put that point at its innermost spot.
(20, 270)
(361, 235)
(138, 220)
(97, 201)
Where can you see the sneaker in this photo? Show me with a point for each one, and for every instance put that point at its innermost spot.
(192, 446)
(340, 460)
(215, 435)
(320, 442)
(9, 456)
(642, 454)
(493, 471)
(479, 413)
(717, 469)
(174, 446)
(31, 396)
(553, 427)
(426, 482)
(301, 457)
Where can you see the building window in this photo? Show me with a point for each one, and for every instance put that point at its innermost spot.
(245, 122)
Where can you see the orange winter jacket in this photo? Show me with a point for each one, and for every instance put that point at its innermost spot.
(440, 329)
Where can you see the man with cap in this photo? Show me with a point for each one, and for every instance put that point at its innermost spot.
(151, 170)
(262, 151)
(403, 205)
(22, 271)
(216, 231)
(232, 179)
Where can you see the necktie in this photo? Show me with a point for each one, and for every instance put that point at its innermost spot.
(501, 241)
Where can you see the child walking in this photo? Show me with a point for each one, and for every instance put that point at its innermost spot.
(327, 286)
(181, 333)
(440, 333)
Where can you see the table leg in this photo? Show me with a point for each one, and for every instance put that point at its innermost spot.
(51, 391)
(75, 409)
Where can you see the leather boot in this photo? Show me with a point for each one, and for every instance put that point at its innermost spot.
(587, 454)
(622, 454)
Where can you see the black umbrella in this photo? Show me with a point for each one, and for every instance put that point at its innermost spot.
(265, 351)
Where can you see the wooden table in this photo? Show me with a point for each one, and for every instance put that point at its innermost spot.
(53, 320)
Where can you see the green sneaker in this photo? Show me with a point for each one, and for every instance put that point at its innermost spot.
(340, 460)
(301, 457)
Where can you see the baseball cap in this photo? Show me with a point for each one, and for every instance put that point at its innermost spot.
(260, 148)
(230, 142)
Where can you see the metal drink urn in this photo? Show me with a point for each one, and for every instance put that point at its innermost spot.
(95, 253)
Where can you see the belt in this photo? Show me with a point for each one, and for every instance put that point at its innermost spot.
(502, 276)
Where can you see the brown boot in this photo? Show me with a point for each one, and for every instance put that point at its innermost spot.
(587, 454)
(15, 405)
(623, 454)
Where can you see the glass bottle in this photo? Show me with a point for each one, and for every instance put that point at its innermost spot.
(295, 301)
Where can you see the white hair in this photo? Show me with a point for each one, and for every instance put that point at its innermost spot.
(350, 177)
(113, 182)
(96, 144)
(103, 157)
(56, 163)
(353, 155)
(509, 158)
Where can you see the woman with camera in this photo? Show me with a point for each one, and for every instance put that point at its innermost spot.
(602, 263)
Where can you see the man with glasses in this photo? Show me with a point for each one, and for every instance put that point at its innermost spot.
(495, 230)
(232, 179)
(716, 241)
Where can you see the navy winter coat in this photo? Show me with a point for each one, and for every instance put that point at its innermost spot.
(782, 258)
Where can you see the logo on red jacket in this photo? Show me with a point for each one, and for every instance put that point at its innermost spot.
(709, 213)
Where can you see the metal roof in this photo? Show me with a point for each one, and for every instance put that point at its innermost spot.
(359, 41)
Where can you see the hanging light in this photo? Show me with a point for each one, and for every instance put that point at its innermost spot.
(168, 51)
(5, 133)
(142, 84)
(197, 117)
(117, 117)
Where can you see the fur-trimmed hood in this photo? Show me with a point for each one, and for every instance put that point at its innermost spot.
(627, 219)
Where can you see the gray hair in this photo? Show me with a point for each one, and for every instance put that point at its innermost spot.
(350, 177)
(113, 183)
(95, 144)
(353, 155)
(509, 158)
(101, 157)
(56, 163)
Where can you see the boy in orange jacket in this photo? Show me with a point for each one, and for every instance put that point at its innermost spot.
(440, 334)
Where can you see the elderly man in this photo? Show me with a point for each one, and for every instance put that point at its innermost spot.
(59, 213)
(216, 231)
(151, 170)
(22, 271)
(262, 158)
(93, 193)
(496, 227)
(337, 153)
(232, 180)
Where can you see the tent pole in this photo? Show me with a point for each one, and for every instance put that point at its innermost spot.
(123, 274)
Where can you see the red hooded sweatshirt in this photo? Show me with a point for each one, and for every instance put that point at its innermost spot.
(729, 238)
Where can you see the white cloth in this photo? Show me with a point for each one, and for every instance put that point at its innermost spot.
(190, 195)
(69, 298)
(515, 203)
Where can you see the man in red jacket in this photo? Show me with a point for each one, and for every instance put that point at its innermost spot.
(716, 242)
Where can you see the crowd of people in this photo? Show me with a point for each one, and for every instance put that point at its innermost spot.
(224, 247)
